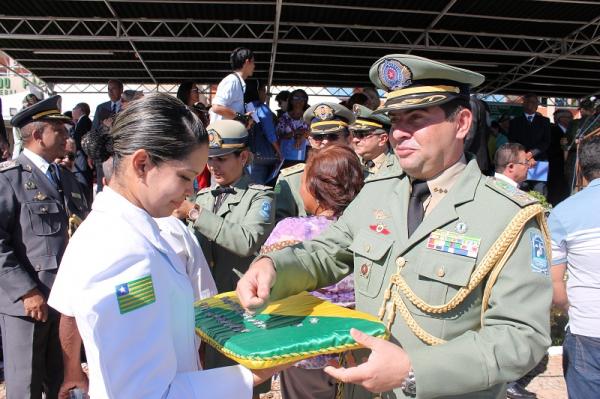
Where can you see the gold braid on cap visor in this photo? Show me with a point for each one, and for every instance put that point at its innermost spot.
(45, 113)
(361, 124)
(327, 126)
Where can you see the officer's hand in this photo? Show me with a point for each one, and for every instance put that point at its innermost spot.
(254, 287)
(35, 305)
(72, 382)
(385, 369)
(183, 210)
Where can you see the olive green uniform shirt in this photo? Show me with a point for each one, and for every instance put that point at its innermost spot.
(232, 235)
(287, 191)
(385, 164)
(477, 360)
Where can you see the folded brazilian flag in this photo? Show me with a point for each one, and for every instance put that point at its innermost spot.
(288, 330)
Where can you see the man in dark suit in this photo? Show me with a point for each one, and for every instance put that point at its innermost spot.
(115, 89)
(40, 204)
(82, 121)
(532, 130)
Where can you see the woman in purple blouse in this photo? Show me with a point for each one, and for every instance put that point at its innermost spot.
(332, 178)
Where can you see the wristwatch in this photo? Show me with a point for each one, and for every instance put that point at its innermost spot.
(409, 386)
(193, 213)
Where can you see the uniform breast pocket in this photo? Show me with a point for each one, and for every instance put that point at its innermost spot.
(45, 217)
(442, 274)
(371, 253)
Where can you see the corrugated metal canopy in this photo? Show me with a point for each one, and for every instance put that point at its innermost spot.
(551, 47)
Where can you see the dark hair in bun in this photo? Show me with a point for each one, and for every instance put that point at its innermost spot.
(98, 145)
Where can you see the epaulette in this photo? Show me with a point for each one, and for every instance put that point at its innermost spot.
(259, 187)
(292, 169)
(519, 197)
(10, 164)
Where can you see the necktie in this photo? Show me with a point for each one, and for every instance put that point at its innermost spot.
(55, 177)
(530, 118)
(220, 193)
(369, 164)
(420, 191)
(114, 108)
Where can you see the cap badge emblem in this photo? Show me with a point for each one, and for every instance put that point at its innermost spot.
(324, 112)
(394, 75)
(214, 139)
(356, 109)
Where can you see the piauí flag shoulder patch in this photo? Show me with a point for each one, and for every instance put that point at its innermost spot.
(135, 294)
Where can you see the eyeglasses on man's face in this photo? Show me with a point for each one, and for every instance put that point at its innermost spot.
(326, 136)
(361, 134)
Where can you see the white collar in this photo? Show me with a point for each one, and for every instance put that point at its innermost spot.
(111, 202)
(505, 178)
(528, 115)
(37, 160)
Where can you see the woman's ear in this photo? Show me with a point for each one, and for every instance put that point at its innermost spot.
(140, 162)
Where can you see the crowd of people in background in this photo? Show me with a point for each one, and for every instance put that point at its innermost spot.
(271, 179)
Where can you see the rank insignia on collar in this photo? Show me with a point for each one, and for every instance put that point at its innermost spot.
(324, 112)
(394, 75)
(30, 185)
(379, 228)
(40, 196)
(380, 214)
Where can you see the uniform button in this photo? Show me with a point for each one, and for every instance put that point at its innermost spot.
(400, 261)
(364, 270)
(367, 247)
(43, 209)
(440, 271)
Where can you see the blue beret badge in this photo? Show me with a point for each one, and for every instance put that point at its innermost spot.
(394, 75)
(265, 210)
(539, 260)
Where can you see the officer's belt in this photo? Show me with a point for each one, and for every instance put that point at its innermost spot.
(491, 265)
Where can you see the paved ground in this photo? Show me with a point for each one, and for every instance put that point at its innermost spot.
(549, 385)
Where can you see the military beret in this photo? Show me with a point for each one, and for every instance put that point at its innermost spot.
(226, 136)
(45, 110)
(328, 118)
(367, 119)
(416, 82)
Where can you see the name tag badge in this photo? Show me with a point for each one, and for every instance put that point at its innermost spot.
(454, 243)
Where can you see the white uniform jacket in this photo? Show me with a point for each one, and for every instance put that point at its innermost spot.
(132, 301)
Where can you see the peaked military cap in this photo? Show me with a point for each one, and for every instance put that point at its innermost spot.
(416, 82)
(48, 109)
(328, 118)
(226, 136)
(367, 119)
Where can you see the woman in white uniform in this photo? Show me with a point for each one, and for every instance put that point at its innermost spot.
(120, 279)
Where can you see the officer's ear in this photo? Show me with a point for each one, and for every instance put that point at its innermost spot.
(463, 120)
(140, 162)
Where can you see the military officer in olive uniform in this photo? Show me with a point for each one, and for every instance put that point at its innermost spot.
(371, 142)
(328, 126)
(231, 219)
(40, 204)
(453, 262)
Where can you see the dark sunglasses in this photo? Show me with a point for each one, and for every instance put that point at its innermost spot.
(328, 136)
(299, 98)
(361, 134)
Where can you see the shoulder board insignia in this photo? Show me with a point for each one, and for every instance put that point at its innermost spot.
(293, 169)
(519, 197)
(10, 164)
(259, 187)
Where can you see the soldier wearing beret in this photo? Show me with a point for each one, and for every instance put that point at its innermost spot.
(233, 218)
(329, 124)
(448, 276)
(40, 205)
(371, 142)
